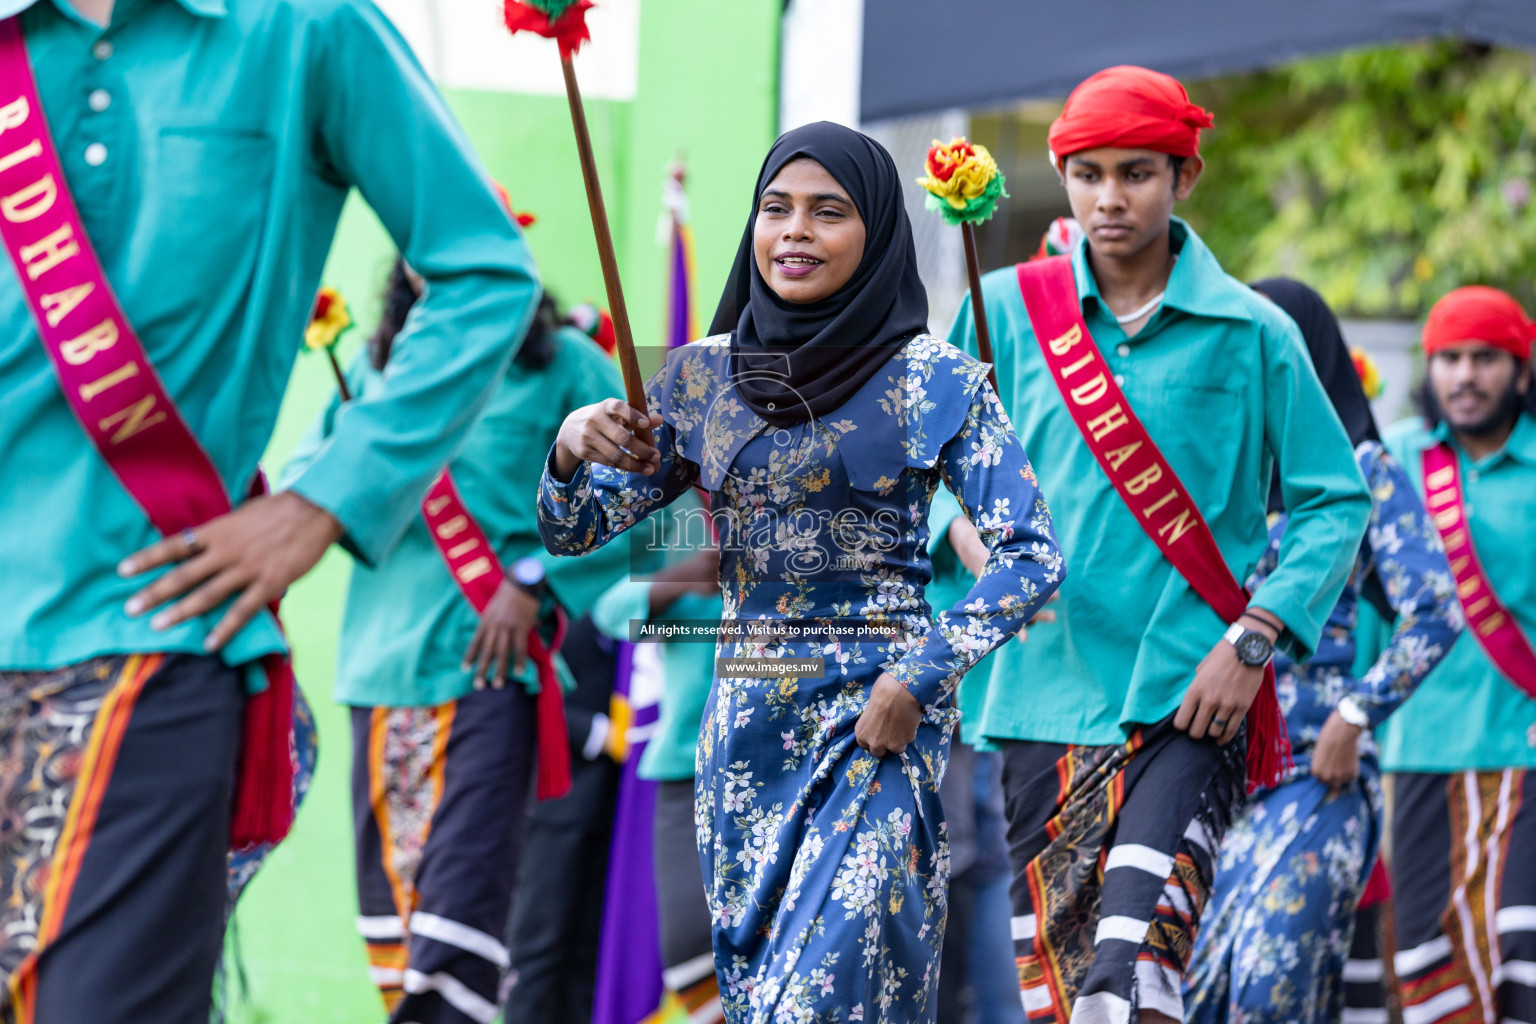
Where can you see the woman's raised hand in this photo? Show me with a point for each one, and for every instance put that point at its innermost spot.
(605, 433)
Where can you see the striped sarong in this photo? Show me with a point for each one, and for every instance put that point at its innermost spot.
(1113, 858)
(1464, 889)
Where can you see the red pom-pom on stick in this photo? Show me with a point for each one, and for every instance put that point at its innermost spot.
(566, 22)
(567, 25)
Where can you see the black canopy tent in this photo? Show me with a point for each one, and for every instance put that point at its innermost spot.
(921, 57)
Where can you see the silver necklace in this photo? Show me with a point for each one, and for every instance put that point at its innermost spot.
(1142, 311)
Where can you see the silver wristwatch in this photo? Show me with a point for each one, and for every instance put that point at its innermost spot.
(1350, 710)
(1253, 648)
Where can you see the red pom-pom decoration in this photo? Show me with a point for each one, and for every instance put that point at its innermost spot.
(566, 23)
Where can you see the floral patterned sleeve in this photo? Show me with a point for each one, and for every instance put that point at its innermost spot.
(599, 502)
(1410, 561)
(984, 465)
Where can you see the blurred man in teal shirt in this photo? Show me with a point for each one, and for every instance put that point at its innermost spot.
(1462, 751)
(444, 726)
(209, 145)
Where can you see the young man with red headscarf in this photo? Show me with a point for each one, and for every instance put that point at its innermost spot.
(1120, 735)
(1462, 751)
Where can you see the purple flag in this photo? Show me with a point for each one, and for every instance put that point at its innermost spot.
(629, 964)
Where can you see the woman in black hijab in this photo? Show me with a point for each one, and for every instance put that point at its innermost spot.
(791, 358)
(820, 425)
(1330, 358)
(1315, 836)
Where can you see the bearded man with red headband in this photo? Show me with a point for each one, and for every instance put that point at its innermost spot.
(1164, 391)
(1462, 751)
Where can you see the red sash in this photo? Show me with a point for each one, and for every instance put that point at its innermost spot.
(476, 569)
(1497, 632)
(115, 393)
(1145, 481)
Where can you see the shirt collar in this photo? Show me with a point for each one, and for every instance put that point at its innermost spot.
(1521, 445)
(10, 8)
(200, 8)
(1197, 284)
(206, 8)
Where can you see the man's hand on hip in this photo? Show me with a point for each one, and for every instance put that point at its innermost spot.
(252, 554)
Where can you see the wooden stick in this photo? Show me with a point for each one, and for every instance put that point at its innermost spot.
(978, 307)
(629, 365)
(341, 378)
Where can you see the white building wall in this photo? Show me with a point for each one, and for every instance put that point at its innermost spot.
(464, 45)
(820, 60)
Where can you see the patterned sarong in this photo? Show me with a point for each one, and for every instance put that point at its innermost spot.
(1464, 891)
(1112, 851)
(116, 777)
(439, 798)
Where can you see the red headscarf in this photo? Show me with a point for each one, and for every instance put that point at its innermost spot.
(1128, 107)
(1479, 313)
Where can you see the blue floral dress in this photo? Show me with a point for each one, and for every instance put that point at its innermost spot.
(826, 868)
(1273, 942)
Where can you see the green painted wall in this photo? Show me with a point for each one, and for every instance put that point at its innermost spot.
(707, 88)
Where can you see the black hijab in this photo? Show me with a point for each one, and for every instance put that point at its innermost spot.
(1336, 369)
(1330, 356)
(794, 361)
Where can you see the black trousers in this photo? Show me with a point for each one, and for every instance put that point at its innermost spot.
(558, 916)
(687, 950)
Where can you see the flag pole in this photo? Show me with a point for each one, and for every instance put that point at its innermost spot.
(978, 307)
(629, 364)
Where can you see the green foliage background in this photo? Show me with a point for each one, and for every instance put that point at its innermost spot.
(1384, 177)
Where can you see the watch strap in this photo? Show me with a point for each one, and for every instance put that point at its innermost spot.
(1350, 710)
(1266, 618)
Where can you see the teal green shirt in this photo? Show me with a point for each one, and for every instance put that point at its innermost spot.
(407, 624)
(952, 581)
(688, 672)
(688, 667)
(1465, 715)
(209, 145)
(950, 586)
(1223, 383)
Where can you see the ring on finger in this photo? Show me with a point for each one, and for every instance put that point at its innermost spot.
(1220, 723)
(189, 538)
(631, 454)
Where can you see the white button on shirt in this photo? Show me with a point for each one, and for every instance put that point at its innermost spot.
(1120, 379)
(99, 100)
(102, 50)
(1123, 349)
(95, 154)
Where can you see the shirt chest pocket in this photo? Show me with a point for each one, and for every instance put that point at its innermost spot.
(210, 200)
(1198, 425)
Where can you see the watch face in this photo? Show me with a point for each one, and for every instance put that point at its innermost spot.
(528, 571)
(1253, 648)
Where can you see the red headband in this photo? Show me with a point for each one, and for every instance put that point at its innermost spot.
(1479, 314)
(1128, 107)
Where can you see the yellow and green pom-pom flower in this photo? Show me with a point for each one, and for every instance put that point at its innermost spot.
(963, 181)
(328, 320)
(1370, 374)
